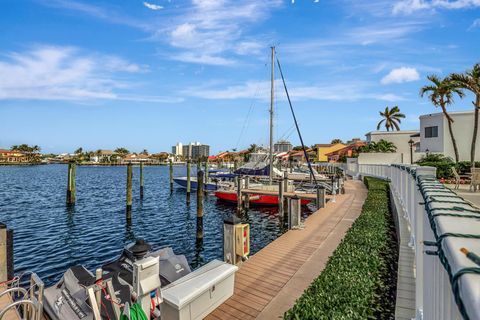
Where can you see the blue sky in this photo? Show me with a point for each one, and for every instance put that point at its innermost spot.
(141, 74)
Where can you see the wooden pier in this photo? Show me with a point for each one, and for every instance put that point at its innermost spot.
(269, 282)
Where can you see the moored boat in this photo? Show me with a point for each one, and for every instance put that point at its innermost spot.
(230, 196)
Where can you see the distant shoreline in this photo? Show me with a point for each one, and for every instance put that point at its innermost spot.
(87, 164)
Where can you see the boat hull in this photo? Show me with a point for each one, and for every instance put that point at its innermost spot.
(182, 182)
(255, 199)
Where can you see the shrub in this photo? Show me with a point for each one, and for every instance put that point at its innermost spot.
(359, 280)
(443, 164)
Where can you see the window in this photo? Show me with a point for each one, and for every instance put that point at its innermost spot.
(431, 132)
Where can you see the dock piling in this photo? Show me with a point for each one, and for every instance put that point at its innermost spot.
(141, 180)
(6, 253)
(239, 194)
(188, 181)
(129, 190)
(246, 199)
(206, 174)
(171, 175)
(294, 211)
(200, 186)
(71, 184)
(280, 198)
(320, 197)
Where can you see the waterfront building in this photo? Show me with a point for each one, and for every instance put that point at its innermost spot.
(435, 136)
(12, 156)
(177, 150)
(195, 151)
(347, 151)
(399, 138)
(324, 149)
(282, 146)
(102, 156)
(138, 158)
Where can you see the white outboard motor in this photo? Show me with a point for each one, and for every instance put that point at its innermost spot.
(146, 283)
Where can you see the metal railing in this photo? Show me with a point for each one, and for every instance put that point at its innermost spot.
(447, 282)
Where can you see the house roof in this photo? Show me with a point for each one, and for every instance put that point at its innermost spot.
(106, 152)
(392, 132)
(347, 148)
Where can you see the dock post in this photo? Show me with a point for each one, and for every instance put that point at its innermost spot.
(294, 211)
(71, 185)
(188, 181)
(280, 198)
(6, 253)
(141, 180)
(246, 199)
(171, 175)
(200, 204)
(239, 194)
(320, 197)
(206, 175)
(98, 293)
(129, 190)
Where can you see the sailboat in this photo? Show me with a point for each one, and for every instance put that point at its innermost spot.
(260, 164)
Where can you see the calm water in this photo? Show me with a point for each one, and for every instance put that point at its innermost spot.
(49, 237)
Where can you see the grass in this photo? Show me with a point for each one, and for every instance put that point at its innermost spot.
(359, 280)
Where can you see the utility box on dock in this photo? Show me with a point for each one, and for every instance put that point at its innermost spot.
(242, 240)
(236, 240)
(198, 293)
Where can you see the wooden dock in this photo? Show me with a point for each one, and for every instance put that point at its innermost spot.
(268, 283)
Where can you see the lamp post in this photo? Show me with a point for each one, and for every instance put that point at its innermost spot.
(411, 143)
(427, 152)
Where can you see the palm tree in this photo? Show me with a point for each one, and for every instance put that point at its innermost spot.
(470, 81)
(441, 93)
(391, 118)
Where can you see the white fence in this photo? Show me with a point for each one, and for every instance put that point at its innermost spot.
(440, 223)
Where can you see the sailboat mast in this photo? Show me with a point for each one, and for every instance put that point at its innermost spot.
(272, 96)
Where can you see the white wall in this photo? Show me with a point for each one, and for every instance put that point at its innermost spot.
(398, 138)
(462, 131)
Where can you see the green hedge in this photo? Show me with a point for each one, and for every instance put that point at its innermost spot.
(359, 280)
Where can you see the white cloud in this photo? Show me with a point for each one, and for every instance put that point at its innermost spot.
(211, 30)
(152, 6)
(66, 73)
(400, 75)
(410, 6)
(260, 90)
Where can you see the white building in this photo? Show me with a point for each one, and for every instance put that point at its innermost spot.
(177, 149)
(435, 137)
(399, 138)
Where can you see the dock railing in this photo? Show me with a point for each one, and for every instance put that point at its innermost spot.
(447, 282)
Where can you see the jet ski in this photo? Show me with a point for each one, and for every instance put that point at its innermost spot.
(68, 298)
(172, 266)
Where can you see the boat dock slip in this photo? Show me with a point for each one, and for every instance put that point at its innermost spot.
(269, 282)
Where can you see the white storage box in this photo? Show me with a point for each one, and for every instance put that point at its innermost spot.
(198, 293)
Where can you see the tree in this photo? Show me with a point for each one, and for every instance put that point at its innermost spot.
(382, 146)
(144, 152)
(392, 118)
(335, 141)
(441, 92)
(122, 151)
(297, 148)
(78, 151)
(253, 147)
(470, 80)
